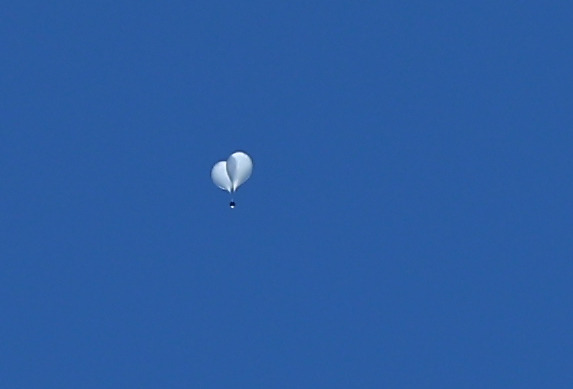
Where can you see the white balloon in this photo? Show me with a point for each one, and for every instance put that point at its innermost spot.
(239, 168)
(229, 175)
(220, 177)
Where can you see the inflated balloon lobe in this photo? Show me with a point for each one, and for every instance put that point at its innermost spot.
(239, 168)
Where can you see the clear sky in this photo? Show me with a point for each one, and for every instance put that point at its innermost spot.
(408, 223)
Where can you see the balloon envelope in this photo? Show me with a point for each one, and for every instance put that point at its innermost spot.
(232, 173)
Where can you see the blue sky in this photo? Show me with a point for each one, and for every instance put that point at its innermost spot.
(407, 224)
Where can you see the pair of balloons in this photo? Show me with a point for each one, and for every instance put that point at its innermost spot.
(232, 173)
